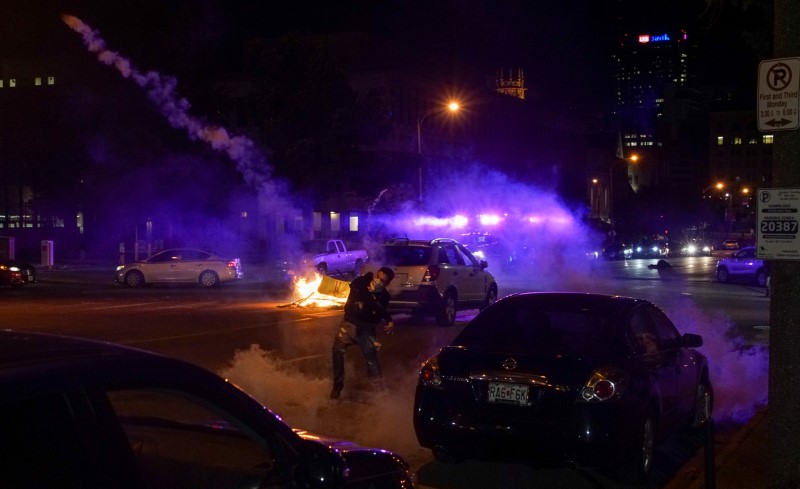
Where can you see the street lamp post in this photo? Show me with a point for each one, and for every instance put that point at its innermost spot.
(450, 107)
(633, 159)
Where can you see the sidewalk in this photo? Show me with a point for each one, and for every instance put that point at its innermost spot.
(741, 460)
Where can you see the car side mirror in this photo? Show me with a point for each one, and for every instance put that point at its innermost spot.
(691, 340)
(484, 264)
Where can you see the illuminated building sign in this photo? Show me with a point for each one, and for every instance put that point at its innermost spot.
(645, 38)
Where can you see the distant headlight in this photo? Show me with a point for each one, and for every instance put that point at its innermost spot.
(120, 268)
(691, 249)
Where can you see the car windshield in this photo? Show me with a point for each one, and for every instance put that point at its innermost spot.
(532, 328)
(403, 256)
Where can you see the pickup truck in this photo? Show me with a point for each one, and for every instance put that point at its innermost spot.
(331, 257)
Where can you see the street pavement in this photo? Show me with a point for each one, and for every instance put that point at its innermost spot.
(739, 456)
(740, 459)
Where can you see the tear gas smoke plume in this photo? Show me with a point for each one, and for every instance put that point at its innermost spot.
(378, 419)
(739, 373)
(522, 230)
(160, 90)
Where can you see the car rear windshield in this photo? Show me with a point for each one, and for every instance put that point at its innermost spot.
(530, 329)
(403, 256)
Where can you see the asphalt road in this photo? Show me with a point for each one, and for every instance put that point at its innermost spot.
(280, 352)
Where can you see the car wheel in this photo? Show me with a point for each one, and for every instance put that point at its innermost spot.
(322, 269)
(640, 462)
(723, 275)
(491, 297)
(134, 278)
(761, 278)
(447, 314)
(704, 404)
(209, 279)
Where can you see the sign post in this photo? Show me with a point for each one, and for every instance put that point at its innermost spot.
(778, 90)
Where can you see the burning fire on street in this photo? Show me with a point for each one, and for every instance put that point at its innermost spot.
(318, 291)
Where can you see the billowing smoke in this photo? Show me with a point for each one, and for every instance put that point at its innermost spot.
(377, 419)
(739, 373)
(524, 231)
(161, 91)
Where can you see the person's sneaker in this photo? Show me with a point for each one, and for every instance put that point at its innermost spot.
(336, 392)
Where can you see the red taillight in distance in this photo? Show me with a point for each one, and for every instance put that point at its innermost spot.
(604, 384)
(431, 274)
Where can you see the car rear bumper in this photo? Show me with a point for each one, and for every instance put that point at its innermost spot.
(586, 434)
(422, 299)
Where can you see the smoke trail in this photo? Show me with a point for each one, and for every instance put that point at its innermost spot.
(250, 162)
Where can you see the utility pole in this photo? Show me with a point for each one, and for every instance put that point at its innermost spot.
(784, 341)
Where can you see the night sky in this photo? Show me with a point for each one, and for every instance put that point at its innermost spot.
(564, 46)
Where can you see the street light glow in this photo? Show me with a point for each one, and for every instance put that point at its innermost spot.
(453, 106)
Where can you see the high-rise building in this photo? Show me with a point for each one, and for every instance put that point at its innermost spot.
(645, 64)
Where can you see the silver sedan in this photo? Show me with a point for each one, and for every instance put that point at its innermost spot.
(184, 265)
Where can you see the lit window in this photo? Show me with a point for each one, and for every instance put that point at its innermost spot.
(767, 138)
(737, 140)
(12, 83)
(354, 222)
(752, 141)
(51, 80)
(720, 140)
(37, 81)
(335, 222)
(1, 83)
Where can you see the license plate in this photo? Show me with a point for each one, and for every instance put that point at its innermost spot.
(508, 393)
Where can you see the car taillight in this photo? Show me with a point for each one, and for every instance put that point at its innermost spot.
(231, 263)
(429, 375)
(431, 274)
(604, 384)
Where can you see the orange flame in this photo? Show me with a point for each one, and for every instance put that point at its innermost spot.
(307, 294)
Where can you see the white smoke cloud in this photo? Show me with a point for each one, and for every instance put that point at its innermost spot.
(161, 91)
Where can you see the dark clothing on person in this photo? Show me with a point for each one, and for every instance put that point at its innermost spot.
(363, 311)
(364, 305)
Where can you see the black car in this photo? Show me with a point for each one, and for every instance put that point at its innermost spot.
(80, 413)
(16, 273)
(559, 378)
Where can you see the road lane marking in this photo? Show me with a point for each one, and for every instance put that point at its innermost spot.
(207, 333)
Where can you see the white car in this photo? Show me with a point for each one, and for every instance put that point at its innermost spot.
(742, 264)
(182, 265)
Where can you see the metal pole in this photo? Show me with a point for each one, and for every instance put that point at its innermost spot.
(611, 201)
(419, 156)
(710, 464)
